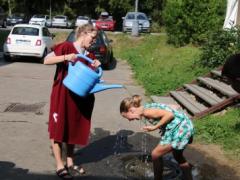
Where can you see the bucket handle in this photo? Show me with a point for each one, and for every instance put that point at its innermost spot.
(99, 69)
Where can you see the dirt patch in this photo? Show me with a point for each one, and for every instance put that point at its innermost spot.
(212, 163)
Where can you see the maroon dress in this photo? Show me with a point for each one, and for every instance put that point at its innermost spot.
(70, 114)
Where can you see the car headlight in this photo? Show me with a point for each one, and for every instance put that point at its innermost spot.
(128, 23)
(146, 24)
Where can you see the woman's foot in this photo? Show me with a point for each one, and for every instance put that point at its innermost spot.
(64, 174)
(75, 170)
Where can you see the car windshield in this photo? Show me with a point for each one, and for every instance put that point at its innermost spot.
(26, 31)
(141, 17)
(83, 17)
(60, 17)
(130, 16)
(39, 16)
(15, 16)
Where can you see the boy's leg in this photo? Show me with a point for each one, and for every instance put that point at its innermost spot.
(184, 165)
(56, 147)
(157, 154)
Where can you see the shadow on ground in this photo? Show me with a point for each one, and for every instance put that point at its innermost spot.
(104, 159)
(8, 171)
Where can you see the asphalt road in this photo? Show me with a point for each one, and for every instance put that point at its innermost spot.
(24, 103)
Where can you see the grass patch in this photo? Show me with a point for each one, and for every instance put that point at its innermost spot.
(159, 67)
(222, 130)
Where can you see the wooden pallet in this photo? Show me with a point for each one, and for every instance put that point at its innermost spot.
(205, 95)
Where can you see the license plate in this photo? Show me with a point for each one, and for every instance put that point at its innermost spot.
(23, 42)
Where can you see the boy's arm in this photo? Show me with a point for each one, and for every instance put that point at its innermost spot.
(164, 116)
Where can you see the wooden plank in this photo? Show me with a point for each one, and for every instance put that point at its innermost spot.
(217, 73)
(204, 94)
(187, 101)
(217, 107)
(221, 87)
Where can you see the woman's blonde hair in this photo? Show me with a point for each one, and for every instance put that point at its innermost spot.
(134, 101)
(84, 29)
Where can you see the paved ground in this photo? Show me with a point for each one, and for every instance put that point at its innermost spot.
(25, 150)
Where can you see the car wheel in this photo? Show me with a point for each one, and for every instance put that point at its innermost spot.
(44, 54)
(107, 65)
(7, 58)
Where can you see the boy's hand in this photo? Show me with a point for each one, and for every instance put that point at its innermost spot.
(149, 128)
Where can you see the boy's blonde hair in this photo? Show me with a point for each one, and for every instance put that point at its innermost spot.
(84, 29)
(134, 101)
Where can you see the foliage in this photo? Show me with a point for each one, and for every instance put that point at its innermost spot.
(155, 27)
(189, 21)
(157, 66)
(74, 8)
(220, 129)
(220, 45)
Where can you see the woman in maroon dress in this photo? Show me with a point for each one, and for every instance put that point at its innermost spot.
(70, 114)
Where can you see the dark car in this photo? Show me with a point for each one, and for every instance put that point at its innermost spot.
(15, 19)
(101, 48)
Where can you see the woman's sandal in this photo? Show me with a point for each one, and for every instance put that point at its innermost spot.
(64, 174)
(76, 170)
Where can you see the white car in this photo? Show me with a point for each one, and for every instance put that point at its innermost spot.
(81, 20)
(39, 19)
(28, 40)
(141, 18)
(60, 21)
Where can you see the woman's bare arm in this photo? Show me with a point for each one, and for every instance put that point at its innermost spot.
(51, 58)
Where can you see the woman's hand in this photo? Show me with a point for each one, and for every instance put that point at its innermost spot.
(70, 57)
(149, 128)
(96, 63)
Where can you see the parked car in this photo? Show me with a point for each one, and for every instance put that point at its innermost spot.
(60, 21)
(15, 19)
(39, 19)
(3, 18)
(93, 21)
(102, 48)
(28, 40)
(105, 22)
(82, 20)
(49, 23)
(143, 21)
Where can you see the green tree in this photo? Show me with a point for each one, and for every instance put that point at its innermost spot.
(190, 21)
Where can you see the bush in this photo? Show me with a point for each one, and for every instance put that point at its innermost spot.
(155, 27)
(191, 21)
(220, 45)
